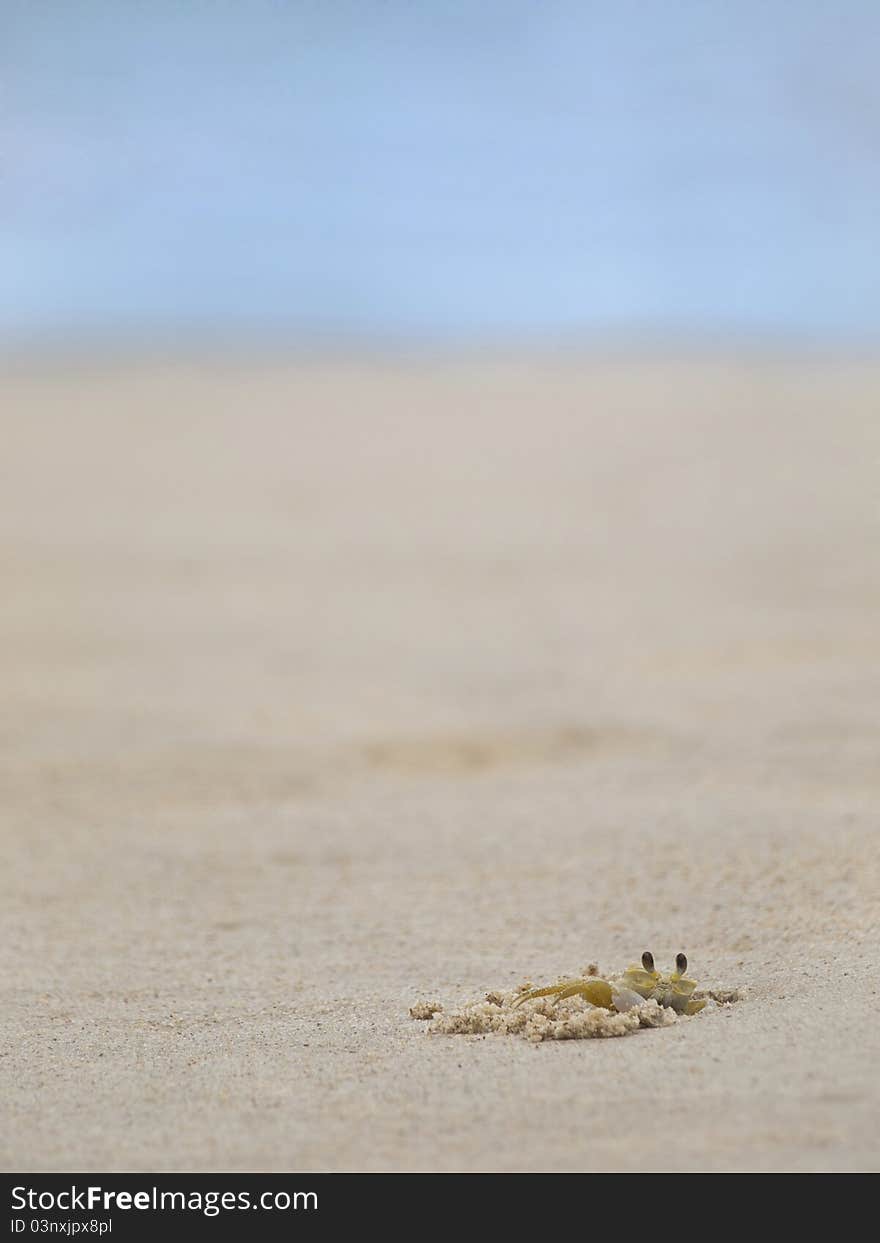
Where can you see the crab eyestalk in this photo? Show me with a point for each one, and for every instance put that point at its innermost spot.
(642, 979)
(681, 963)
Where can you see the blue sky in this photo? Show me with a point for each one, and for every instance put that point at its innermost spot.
(388, 169)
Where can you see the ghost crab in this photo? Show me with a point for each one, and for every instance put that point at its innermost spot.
(637, 984)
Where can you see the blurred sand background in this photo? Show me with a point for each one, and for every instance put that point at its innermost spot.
(329, 687)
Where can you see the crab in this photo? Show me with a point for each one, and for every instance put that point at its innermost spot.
(637, 984)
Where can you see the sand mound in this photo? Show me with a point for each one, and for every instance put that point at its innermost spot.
(547, 1019)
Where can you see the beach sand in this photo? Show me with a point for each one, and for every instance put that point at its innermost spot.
(330, 688)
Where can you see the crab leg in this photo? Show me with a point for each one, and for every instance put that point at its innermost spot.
(539, 992)
(597, 992)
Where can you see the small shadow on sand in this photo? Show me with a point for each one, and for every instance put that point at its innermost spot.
(482, 752)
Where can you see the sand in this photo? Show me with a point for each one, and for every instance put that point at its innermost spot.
(330, 689)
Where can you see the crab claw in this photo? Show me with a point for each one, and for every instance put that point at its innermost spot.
(625, 999)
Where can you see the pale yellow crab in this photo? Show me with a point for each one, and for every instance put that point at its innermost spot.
(637, 983)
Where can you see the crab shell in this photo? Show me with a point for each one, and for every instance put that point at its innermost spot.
(673, 991)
